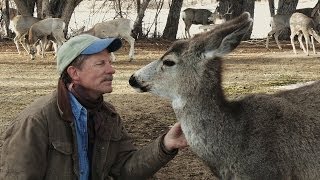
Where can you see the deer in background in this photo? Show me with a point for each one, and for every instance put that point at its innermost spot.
(280, 23)
(217, 18)
(40, 31)
(20, 25)
(301, 24)
(257, 137)
(196, 16)
(115, 28)
(76, 32)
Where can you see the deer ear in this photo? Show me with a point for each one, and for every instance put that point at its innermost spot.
(229, 37)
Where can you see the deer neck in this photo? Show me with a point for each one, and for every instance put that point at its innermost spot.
(205, 106)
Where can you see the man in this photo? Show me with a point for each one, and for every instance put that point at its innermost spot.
(74, 134)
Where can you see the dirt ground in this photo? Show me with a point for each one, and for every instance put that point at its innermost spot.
(251, 68)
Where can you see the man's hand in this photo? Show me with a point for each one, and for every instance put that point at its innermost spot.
(175, 139)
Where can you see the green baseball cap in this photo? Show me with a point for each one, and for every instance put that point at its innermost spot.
(84, 44)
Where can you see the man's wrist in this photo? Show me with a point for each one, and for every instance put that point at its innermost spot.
(164, 149)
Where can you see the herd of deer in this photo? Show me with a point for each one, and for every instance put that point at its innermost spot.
(30, 32)
(303, 22)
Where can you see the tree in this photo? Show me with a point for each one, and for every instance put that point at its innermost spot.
(287, 6)
(137, 27)
(171, 28)
(271, 8)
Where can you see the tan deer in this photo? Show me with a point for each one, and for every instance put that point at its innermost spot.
(258, 137)
(115, 28)
(40, 31)
(280, 23)
(301, 24)
(20, 25)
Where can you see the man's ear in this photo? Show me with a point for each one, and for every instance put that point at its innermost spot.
(73, 73)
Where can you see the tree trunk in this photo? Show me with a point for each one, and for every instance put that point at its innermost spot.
(137, 27)
(45, 9)
(25, 7)
(271, 8)
(287, 6)
(170, 31)
(231, 9)
(67, 12)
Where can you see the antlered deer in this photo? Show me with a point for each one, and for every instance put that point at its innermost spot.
(195, 16)
(258, 137)
(115, 28)
(40, 31)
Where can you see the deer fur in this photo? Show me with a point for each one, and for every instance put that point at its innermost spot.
(301, 24)
(20, 25)
(258, 137)
(40, 31)
(115, 28)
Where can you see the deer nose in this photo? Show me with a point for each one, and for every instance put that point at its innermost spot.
(133, 82)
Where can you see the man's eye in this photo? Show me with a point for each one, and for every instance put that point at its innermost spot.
(168, 63)
(100, 63)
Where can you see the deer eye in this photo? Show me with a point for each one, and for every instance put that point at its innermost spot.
(168, 63)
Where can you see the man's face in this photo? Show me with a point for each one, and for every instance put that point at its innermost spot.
(96, 74)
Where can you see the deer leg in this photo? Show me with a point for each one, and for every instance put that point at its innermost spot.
(187, 28)
(267, 41)
(292, 42)
(130, 40)
(306, 37)
(276, 37)
(15, 40)
(24, 44)
(312, 42)
(113, 57)
(44, 45)
(301, 42)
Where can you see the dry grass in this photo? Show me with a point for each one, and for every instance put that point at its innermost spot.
(249, 69)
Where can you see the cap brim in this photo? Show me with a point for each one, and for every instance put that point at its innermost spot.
(111, 44)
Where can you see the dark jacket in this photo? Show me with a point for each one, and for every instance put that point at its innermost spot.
(41, 145)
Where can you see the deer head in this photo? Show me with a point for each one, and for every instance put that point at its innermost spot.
(178, 72)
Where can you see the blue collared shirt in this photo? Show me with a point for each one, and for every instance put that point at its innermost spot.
(80, 117)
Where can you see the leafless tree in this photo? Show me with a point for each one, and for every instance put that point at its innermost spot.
(137, 27)
(170, 31)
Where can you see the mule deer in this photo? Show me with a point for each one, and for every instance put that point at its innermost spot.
(76, 32)
(41, 30)
(20, 26)
(280, 23)
(217, 18)
(196, 16)
(115, 28)
(301, 24)
(259, 137)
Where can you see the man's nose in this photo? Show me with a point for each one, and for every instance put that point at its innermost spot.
(110, 69)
